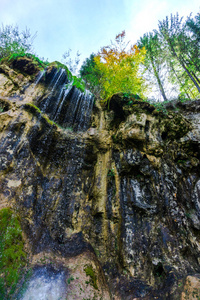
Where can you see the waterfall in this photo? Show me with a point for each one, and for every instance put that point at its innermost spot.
(65, 104)
(79, 110)
(59, 108)
(57, 80)
(39, 77)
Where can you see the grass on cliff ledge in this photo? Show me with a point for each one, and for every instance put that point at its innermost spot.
(37, 110)
(12, 255)
(36, 59)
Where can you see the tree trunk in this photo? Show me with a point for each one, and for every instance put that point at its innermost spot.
(158, 80)
(183, 65)
(179, 80)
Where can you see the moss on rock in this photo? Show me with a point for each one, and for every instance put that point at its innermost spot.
(91, 273)
(13, 256)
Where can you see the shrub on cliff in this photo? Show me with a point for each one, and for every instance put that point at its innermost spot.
(14, 41)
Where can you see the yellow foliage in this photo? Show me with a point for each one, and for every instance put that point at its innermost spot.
(120, 68)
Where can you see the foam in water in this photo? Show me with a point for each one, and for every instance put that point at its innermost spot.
(46, 284)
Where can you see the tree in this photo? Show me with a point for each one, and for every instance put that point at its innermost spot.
(193, 29)
(91, 75)
(14, 41)
(72, 64)
(175, 37)
(154, 59)
(119, 67)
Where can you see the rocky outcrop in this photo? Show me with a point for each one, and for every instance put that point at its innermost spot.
(116, 203)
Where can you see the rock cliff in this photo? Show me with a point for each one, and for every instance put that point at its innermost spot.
(108, 194)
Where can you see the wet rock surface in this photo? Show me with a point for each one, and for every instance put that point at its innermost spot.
(123, 190)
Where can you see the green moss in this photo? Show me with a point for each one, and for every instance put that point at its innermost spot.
(91, 273)
(34, 109)
(49, 121)
(78, 83)
(59, 65)
(36, 59)
(13, 257)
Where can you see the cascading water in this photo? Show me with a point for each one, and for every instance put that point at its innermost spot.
(59, 108)
(79, 110)
(39, 77)
(54, 88)
(66, 104)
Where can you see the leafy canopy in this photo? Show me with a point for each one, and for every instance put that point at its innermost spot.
(119, 66)
(91, 75)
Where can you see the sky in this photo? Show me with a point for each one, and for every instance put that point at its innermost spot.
(87, 25)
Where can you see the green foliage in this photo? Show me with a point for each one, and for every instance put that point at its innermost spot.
(129, 98)
(78, 83)
(176, 38)
(154, 59)
(13, 257)
(29, 55)
(161, 106)
(34, 107)
(91, 273)
(111, 173)
(35, 110)
(14, 41)
(91, 75)
(172, 57)
(120, 68)
(1, 108)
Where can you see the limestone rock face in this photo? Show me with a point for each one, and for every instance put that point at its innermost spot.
(191, 288)
(114, 198)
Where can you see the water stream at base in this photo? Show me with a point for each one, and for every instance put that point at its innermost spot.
(46, 283)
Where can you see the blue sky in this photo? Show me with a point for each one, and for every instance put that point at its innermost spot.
(87, 25)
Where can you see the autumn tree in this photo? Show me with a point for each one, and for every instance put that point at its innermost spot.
(119, 66)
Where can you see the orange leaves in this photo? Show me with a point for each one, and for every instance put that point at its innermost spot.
(118, 50)
(119, 37)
